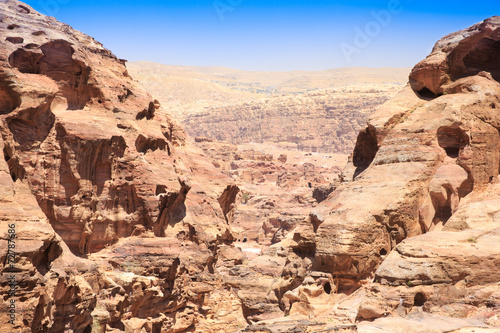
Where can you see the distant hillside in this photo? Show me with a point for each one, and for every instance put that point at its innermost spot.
(185, 90)
(326, 121)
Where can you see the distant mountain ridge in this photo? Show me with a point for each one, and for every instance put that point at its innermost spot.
(187, 89)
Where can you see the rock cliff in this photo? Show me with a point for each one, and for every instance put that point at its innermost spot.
(410, 238)
(94, 176)
(324, 121)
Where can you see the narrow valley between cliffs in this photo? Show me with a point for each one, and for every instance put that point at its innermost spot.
(349, 200)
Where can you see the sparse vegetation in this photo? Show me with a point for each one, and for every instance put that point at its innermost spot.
(472, 240)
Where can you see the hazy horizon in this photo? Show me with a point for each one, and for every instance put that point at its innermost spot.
(255, 35)
(291, 70)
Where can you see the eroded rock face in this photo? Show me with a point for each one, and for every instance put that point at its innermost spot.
(459, 55)
(405, 228)
(448, 272)
(323, 121)
(96, 151)
(115, 212)
(441, 149)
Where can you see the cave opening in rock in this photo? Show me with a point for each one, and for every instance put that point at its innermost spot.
(144, 144)
(9, 99)
(452, 152)
(25, 61)
(365, 150)
(484, 57)
(419, 299)
(426, 93)
(328, 288)
(383, 252)
(16, 170)
(56, 62)
(443, 210)
(452, 140)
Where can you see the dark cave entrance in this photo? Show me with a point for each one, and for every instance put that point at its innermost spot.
(452, 140)
(365, 150)
(484, 57)
(419, 299)
(328, 288)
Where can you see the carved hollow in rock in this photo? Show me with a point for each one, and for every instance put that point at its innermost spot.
(31, 46)
(450, 183)
(452, 140)
(31, 125)
(483, 57)
(160, 189)
(444, 196)
(23, 9)
(473, 54)
(172, 209)
(148, 113)
(328, 288)
(419, 299)
(9, 99)
(143, 144)
(15, 40)
(426, 93)
(44, 258)
(57, 63)
(365, 150)
(25, 61)
(227, 200)
(94, 158)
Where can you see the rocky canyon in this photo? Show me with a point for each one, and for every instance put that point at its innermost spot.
(376, 210)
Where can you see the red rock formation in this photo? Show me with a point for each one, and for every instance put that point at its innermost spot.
(423, 163)
(323, 121)
(89, 160)
(459, 55)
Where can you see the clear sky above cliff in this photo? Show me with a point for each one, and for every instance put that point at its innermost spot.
(270, 34)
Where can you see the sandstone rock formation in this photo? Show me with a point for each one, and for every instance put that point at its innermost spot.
(276, 188)
(324, 121)
(413, 226)
(92, 165)
(121, 224)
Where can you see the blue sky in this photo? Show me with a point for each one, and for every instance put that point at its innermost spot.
(277, 35)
